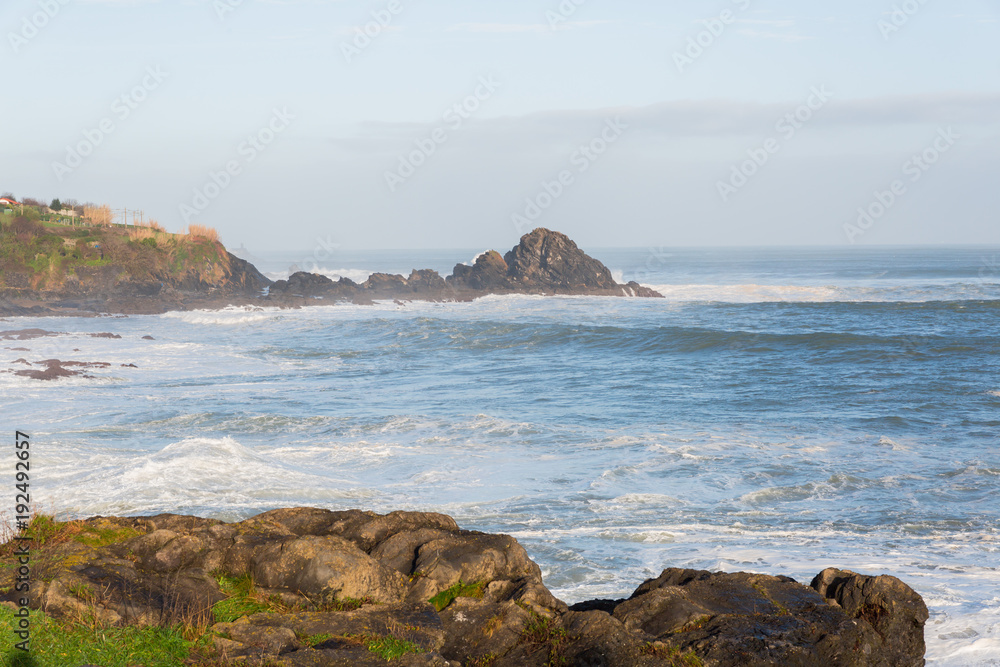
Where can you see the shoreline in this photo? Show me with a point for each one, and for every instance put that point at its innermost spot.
(449, 596)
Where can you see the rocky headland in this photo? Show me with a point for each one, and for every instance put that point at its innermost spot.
(188, 273)
(313, 587)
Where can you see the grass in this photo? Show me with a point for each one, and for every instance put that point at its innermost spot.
(243, 599)
(545, 633)
(56, 643)
(387, 648)
(459, 590)
(673, 655)
(782, 609)
(45, 530)
(315, 640)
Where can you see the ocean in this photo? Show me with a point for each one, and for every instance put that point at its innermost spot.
(780, 411)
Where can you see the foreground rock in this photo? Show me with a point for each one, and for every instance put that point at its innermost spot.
(316, 587)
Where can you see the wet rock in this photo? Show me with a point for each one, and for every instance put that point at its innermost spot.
(488, 273)
(549, 259)
(426, 280)
(893, 609)
(384, 282)
(27, 334)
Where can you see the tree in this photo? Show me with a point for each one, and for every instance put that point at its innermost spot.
(56, 205)
(8, 195)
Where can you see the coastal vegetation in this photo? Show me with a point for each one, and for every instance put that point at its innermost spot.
(44, 250)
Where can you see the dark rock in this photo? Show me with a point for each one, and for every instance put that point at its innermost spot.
(148, 338)
(304, 284)
(893, 609)
(54, 369)
(384, 282)
(104, 335)
(547, 259)
(426, 280)
(488, 273)
(314, 285)
(26, 334)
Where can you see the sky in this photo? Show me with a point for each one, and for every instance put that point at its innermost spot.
(289, 124)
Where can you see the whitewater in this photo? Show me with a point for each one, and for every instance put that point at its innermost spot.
(779, 411)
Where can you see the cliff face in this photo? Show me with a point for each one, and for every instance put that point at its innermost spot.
(318, 587)
(99, 261)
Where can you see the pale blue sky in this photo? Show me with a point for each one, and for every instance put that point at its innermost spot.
(658, 183)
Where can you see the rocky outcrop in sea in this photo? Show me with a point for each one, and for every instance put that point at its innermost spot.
(544, 262)
(313, 587)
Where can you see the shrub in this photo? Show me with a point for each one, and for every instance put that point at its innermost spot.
(141, 233)
(98, 215)
(26, 228)
(201, 231)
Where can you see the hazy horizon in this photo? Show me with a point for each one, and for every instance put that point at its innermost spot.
(285, 126)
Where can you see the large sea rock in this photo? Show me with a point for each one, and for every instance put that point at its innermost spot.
(332, 582)
(544, 262)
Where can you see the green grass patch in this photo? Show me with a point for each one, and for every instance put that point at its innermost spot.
(315, 640)
(673, 655)
(242, 601)
(102, 537)
(459, 590)
(55, 643)
(546, 634)
(42, 528)
(387, 648)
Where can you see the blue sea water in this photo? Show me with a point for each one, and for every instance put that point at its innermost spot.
(781, 411)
